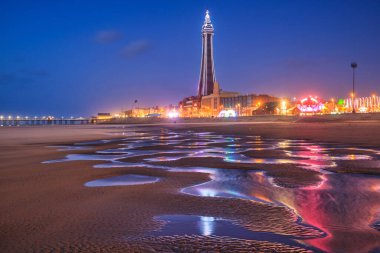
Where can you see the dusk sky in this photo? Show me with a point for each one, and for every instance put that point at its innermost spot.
(78, 58)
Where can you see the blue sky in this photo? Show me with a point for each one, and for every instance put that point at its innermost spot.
(83, 57)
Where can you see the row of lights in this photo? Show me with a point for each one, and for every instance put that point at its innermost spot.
(10, 117)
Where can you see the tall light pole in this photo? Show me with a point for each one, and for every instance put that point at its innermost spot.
(354, 65)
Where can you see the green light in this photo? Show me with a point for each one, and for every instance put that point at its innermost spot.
(341, 101)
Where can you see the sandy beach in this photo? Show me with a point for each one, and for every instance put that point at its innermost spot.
(46, 207)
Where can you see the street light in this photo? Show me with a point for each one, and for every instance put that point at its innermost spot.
(354, 65)
(238, 108)
(283, 107)
(373, 102)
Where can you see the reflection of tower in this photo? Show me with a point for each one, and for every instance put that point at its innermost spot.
(207, 76)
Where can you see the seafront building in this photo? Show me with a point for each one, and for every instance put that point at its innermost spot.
(221, 102)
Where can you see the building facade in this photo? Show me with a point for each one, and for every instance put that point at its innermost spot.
(243, 105)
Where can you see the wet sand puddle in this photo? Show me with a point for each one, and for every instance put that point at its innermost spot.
(122, 180)
(183, 225)
(344, 207)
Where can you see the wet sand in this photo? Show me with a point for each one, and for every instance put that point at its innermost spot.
(46, 207)
(347, 132)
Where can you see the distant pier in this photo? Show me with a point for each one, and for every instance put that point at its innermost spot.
(18, 121)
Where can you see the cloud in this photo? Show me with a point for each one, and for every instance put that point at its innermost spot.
(107, 36)
(136, 48)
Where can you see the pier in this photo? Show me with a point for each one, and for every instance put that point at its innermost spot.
(26, 121)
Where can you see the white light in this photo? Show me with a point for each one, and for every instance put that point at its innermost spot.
(173, 114)
(227, 114)
(207, 225)
(207, 192)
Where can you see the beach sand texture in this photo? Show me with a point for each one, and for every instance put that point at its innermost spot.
(46, 207)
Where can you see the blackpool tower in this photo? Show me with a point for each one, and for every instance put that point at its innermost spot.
(207, 76)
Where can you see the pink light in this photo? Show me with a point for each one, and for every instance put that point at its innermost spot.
(310, 105)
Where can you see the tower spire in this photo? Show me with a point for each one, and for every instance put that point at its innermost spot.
(207, 18)
(207, 75)
(207, 25)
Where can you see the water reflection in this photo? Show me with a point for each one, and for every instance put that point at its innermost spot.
(344, 206)
(207, 225)
(214, 226)
(122, 180)
(70, 148)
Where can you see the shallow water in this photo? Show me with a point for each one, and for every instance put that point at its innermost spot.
(70, 148)
(340, 205)
(122, 180)
(345, 206)
(206, 225)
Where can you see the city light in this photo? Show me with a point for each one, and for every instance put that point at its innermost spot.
(310, 105)
(227, 114)
(173, 114)
(363, 104)
(283, 108)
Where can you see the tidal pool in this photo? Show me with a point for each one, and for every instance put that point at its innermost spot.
(122, 180)
(206, 225)
(346, 207)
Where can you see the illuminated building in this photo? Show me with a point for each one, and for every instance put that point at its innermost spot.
(190, 107)
(310, 105)
(103, 116)
(243, 105)
(363, 104)
(288, 107)
(207, 75)
(150, 112)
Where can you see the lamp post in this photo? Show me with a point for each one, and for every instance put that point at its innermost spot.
(354, 65)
